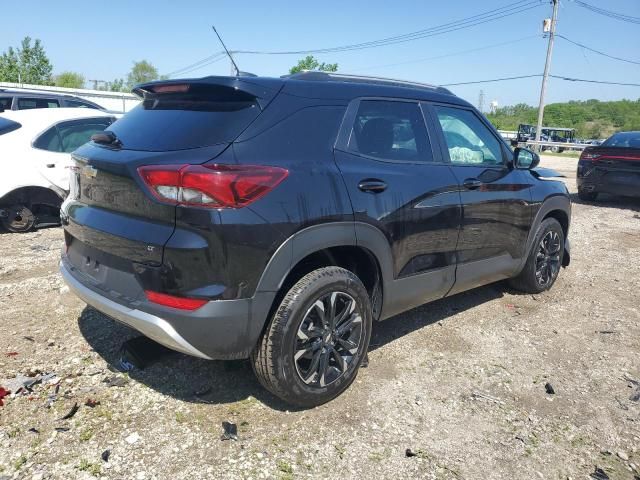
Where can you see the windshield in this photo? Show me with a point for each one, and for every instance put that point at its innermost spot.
(623, 139)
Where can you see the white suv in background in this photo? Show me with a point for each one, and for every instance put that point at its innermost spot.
(34, 161)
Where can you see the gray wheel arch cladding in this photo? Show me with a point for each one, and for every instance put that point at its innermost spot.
(319, 237)
(554, 203)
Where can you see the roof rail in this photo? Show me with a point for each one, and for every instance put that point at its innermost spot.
(327, 76)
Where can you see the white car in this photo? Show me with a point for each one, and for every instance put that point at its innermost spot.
(34, 161)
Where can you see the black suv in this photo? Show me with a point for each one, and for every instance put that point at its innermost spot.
(276, 218)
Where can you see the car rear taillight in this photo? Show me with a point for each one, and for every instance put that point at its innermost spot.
(212, 186)
(588, 156)
(181, 303)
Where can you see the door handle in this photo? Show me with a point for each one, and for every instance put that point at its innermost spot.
(472, 183)
(372, 185)
(51, 165)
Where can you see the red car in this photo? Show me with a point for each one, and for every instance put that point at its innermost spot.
(613, 167)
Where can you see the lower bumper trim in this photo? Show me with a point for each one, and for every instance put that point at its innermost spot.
(149, 325)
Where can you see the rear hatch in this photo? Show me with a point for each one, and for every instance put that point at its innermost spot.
(618, 168)
(177, 122)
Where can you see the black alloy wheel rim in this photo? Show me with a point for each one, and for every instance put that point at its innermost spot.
(328, 339)
(548, 259)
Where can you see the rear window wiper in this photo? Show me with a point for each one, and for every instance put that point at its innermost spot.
(107, 138)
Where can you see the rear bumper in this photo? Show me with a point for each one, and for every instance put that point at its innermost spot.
(612, 183)
(220, 330)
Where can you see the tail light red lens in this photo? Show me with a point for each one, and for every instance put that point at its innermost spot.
(181, 303)
(213, 186)
(588, 156)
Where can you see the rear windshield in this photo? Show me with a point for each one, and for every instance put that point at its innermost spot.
(7, 126)
(203, 116)
(623, 139)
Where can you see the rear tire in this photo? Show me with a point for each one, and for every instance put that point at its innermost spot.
(544, 260)
(587, 196)
(19, 219)
(312, 349)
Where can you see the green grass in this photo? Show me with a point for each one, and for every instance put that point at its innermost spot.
(92, 468)
(86, 434)
(19, 463)
(286, 470)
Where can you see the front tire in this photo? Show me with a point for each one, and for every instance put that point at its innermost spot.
(312, 349)
(544, 260)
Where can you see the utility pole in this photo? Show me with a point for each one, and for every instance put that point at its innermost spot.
(547, 66)
(481, 101)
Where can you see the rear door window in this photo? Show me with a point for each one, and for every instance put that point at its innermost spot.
(7, 125)
(68, 136)
(77, 133)
(37, 102)
(390, 130)
(5, 103)
(204, 115)
(49, 140)
(78, 104)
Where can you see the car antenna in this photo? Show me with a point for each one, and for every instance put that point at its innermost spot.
(233, 62)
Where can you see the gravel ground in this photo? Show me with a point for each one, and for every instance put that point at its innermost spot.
(460, 382)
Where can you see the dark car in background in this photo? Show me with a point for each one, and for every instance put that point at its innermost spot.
(276, 218)
(18, 99)
(612, 167)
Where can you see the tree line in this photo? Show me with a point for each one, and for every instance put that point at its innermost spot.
(590, 118)
(29, 63)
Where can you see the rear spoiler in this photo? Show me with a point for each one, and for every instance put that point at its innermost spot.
(261, 88)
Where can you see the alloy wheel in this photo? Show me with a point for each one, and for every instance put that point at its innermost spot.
(548, 259)
(328, 339)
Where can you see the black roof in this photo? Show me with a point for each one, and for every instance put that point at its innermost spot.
(363, 79)
(322, 85)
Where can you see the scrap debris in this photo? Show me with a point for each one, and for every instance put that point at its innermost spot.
(140, 352)
(71, 412)
(3, 393)
(230, 431)
(549, 388)
(599, 474)
(635, 396)
(477, 395)
(115, 381)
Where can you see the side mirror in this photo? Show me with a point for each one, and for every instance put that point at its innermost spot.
(525, 159)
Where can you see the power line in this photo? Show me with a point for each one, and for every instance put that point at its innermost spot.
(479, 19)
(490, 81)
(447, 55)
(597, 51)
(608, 13)
(199, 64)
(559, 77)
(570, 79)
